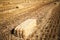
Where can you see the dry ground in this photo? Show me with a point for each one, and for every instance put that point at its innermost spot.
(46, 12)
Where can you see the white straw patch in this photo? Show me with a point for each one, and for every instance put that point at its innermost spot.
(29, 26)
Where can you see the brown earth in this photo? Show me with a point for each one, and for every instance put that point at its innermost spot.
(13, 13)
